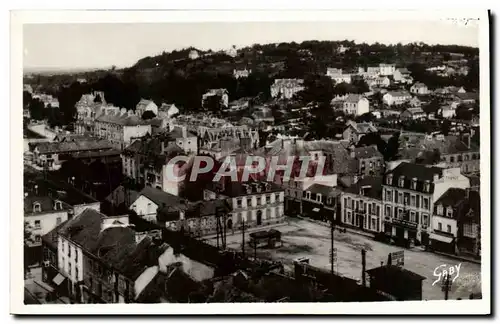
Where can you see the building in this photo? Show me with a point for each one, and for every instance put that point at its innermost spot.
(402, 75)
(286, 88)
(121, 128)
(419, 88)
(145, 160)
(338, 76)
(396, 281)
(52, 154)
(150, 200)
(321, 201)
(167, 111)
(444, 220)
(103, 259)
(356, 104)
(469, 224)
(396, 97)
(379, 82)
(146, 105)
(361, 205)
(332, 72)
(369, 160)
(239, 105)
(465, 97)
(255, 203)
(354, 131)
(222, 94)
(410, 191)
(387, 69)
(413, 113)
(241, 73)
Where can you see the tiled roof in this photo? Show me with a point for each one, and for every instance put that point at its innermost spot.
(372, 187)
(143, 103)
(411, 170)
(392, 271)
(51, 237)
(123, 120)
(66, 147)
(46, 204)
(451, 197)
(353, 98)
(467, 96)
(117, 196)
(84, 229)
(366, 152)
(399, 93)
(160, 197)
(323, 190)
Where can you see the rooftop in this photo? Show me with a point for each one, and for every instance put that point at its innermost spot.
(392, 271)
(73, 146)
(367, 186)
(452, 197)
(366, 152)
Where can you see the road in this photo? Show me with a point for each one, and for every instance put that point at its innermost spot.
(304, 238)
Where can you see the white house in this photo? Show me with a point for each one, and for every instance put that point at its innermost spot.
(401, 75)
(146, 105)
(150, 199)
(419, 88)
(356, 104)
(387, 69)
(396, 97)
(193, 54)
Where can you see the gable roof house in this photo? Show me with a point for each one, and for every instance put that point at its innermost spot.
(356, 104)
(146, 105)
(419, 88)
(396, 97)
(414, 113)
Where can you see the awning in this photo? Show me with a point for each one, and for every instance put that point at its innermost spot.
(315, 210)
(442, 238)
(58, 279)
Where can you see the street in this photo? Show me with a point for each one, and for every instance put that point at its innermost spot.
(304, 238)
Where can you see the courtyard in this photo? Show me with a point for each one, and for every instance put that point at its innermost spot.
(304, 238)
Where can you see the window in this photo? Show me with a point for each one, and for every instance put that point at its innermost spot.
(37, 207)
(388, 195)
(389, 179)
(427, 186)
(473, 156)
(378, 210)
(268, 199)
(238, 203)
(426, 203)
(345, 203)
(414, 184)
(452, 159)
(412, 217)
(58, 220)
(449, 212)
(388, 211)
(401, 181)
(440, 226)
(466, 157)
(440, 210)
(425, 220)
(413, 201)
(249, 202)
(69, 252)
(459, 158)
(401, 198)
(37, 224)
(58, 205)
(448, 228)
(38, 238)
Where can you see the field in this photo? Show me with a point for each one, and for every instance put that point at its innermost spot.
(303, 238)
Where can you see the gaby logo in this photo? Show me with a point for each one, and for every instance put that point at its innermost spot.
(444, 270)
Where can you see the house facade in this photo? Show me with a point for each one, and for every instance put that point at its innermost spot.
(419, 88)
(362, 206)
(222, 94)
(356, 105)
(254, 203)
(387, 69)
(396, 97)
(286, 88)
(146, 105)
(354, 131)
(369, 160)
(409, 193)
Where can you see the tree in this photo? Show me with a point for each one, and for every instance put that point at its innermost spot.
(26, 99)
(148, 114)
(392, 149)
(36, 109)
(373, 139)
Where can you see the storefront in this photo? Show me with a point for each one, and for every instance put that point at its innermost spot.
(443, 242)
(403, 232)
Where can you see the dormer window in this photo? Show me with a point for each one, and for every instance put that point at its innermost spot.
(440, 210)
(414, 184)
(401, 181)
(449, 212)
(318, 197)
(389, 179)
(58, 205)
(427, 186)
(37, 208)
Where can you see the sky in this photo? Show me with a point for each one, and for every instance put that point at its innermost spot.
(80, 46)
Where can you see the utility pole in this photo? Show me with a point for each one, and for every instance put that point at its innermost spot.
(243, 237)
(446, 286)
(363, 267)
(332, 244)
